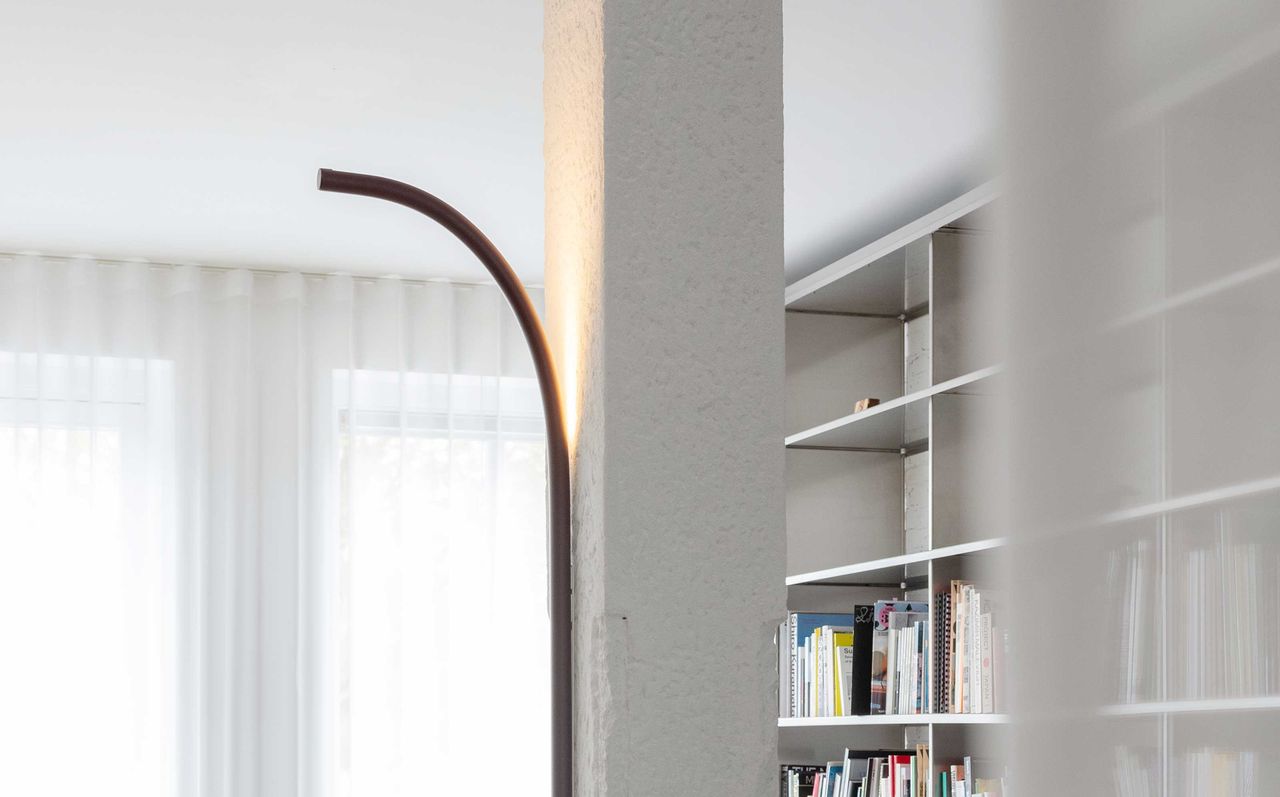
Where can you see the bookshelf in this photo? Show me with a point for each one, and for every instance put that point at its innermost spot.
(1201, 682)
(895, 501)
(894, 719)
(892, 569)
(883, 428)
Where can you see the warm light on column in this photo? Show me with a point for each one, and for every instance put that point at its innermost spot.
(572, 288)
(567, 340)
(574, 182)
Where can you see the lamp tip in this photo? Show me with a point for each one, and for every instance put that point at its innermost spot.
(320, 177)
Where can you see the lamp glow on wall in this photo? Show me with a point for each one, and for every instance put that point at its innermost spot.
(557, 442)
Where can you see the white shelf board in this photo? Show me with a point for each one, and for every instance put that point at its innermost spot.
(1192, 296)
(1210, 706)
(872, 279)
(893, 719)
(890, 568)
(1193, 500)
(884, 425)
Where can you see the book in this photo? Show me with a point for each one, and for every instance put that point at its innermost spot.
(886, 658)
(880, 649)
(923, 770)
(784, 675)
(987, 676)
(903, 671)
(863, 628)
(797, 779)
(827, 694)
(831, 777)
(899, 769)
(969, 666)
(1212, 771)
(942, 666)
(857, 764)
(957, 648)
(799, 635)
(903, 667)
(842, 666)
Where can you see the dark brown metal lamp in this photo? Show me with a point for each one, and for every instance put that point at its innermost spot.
(557, 439)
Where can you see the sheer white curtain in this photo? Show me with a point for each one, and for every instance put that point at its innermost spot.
(267, 534)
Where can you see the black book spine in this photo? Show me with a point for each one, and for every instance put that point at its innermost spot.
(863, 629)
(942, 642)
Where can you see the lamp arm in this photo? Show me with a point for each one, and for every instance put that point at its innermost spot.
(557, 440)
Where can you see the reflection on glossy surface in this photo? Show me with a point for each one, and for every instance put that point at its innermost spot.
(1144, 184)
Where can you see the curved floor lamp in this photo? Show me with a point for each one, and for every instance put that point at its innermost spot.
(557, 441)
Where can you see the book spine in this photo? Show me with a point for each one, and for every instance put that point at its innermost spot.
(961, 657)
(976, 653)
(861, 673)
(784, 672)
(805, 677)
(970, 653)
(988, 680)
(971, 696)
(891, 672)
(806, 671)
(997, 669)
(793, 653)
(846, 680)
(916, 671)
(957, 647)
(819, 675)
(943, 666)
(906, 704)
(920, 700)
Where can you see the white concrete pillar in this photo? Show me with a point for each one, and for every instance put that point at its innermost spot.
(664, 263)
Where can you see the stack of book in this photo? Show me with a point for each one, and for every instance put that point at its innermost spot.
(1209, 771)
(862, 773)
(961, 780)
(889, 658)
(1227, 642)
(900, 658)
(887, 773)
(972, 649)
(816, 659)
(874, 660)
(1136, 772)
(1133, 577)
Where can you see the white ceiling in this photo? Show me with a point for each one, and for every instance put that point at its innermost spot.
(191, 133)
(890, 112)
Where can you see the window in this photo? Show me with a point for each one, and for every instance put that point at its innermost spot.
(88, 674)
(265, 535)
(441, 543)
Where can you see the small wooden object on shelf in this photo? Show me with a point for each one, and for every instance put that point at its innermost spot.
(865, 404)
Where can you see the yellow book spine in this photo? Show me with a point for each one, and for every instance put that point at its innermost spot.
(840, 640)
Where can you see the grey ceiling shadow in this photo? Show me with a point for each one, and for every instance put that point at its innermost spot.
(926, 196)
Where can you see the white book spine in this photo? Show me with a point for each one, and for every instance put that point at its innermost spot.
(988, 682)
(890, 686)
(784, 672)
(793, 654)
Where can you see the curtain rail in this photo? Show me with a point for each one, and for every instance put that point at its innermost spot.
(266, 272)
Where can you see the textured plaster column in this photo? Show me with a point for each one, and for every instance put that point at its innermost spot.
(664, 260)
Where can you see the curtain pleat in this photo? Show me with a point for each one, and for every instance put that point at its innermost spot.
(266, 534)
